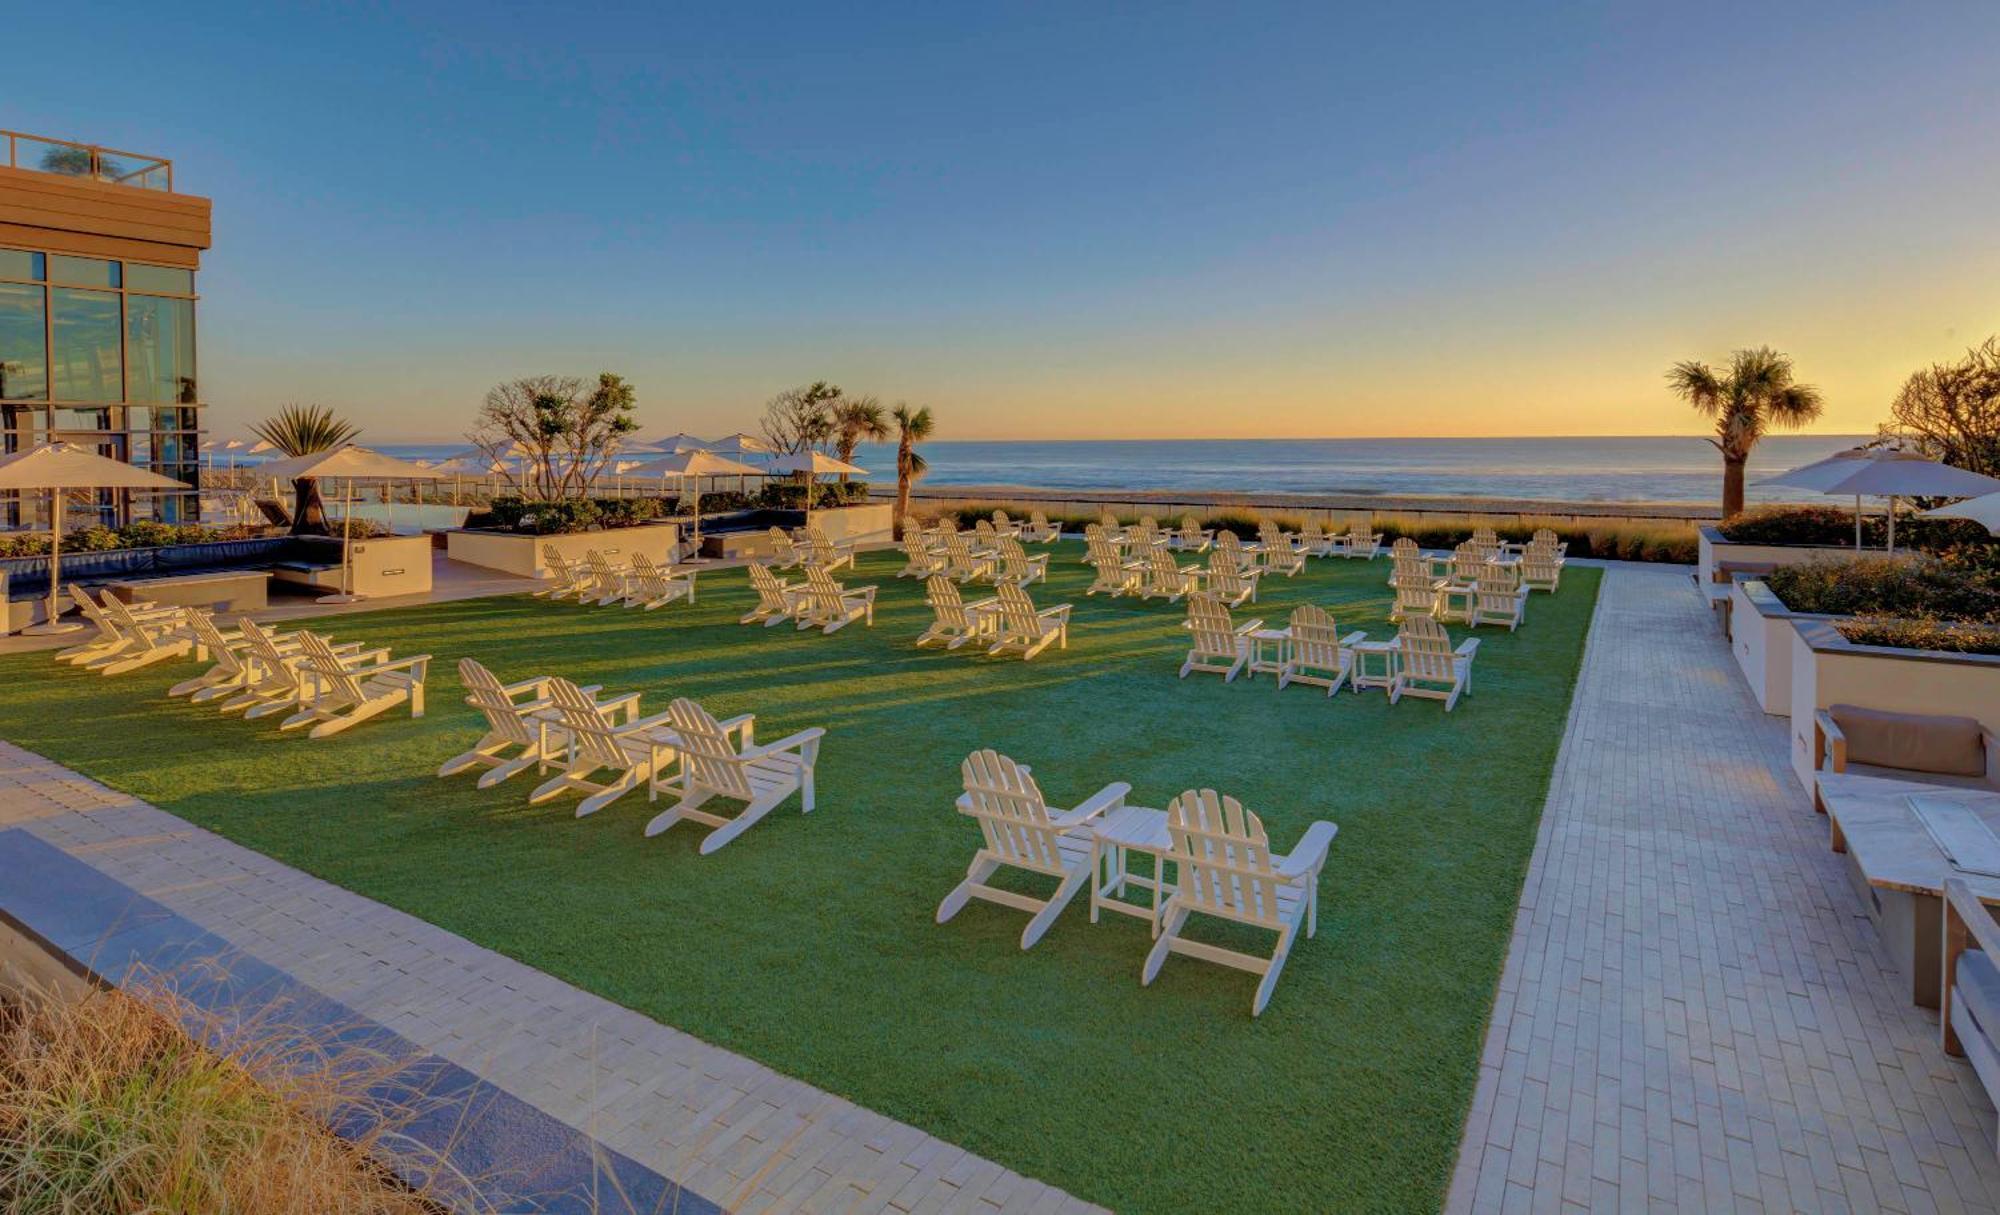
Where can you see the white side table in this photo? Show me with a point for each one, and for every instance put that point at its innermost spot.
(1268, 650)
(1114, 836)
(1374, 665)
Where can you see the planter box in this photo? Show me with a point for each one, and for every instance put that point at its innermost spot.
(1828, 669)
(521, 555)
(378, 568)
(1717, 552)
(868, 523)
(1760, 636)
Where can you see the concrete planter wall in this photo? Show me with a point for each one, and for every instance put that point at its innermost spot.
(1716, 549)
(1827, 670)
(1760, 636)
(378, 568)
(521, 555)
(868, 523)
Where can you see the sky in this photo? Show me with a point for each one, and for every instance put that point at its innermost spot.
(1058, 221)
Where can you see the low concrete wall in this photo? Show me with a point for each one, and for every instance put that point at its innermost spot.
(522, 555)
(869, 523)
(378, 568)
(1716, 549)
(1828, 670)
(1760, 636)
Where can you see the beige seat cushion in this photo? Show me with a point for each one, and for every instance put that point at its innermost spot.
(1915, 742)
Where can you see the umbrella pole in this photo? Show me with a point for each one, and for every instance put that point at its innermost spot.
(1857, 525)
(1892, 525)
(55, 623)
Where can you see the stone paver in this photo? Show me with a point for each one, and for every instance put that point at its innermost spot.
(730, 1129)
(1695, 1014)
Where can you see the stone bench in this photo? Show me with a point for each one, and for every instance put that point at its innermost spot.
(218, 591)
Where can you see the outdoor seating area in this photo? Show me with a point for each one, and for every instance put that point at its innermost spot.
(604, 704)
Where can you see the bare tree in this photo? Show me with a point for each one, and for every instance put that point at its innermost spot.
(560, 432)
(800, 419)
(1951, 411)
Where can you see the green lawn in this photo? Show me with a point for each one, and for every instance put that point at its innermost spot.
(809, 943)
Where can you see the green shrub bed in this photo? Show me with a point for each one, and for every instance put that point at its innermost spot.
(1957, 637)
(1921, 588)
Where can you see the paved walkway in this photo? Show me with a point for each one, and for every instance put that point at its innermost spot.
(1694, 1012)
(733, 1131)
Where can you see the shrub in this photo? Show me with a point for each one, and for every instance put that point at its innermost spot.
(1792, 525)
(1958, 637)
(143, 534)
(790, 495)
(1245, 526)
(628, 512)
(1922, 587)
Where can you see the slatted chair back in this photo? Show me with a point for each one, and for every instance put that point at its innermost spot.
(1111, 572)
(1545, 536)
(1226, 575)
(784, 551)
(1108, 521)
(1223, 857)
(145, 637)
(334, 678)
(604, 580)
(1100, 549)
(484, 692)
(274, 665)
(1228, 545)
(1190, 533)
(647, 579)
(1039, 520)
(1426, 649)
(915, 549)
(1213, 629)
(1417, 598)
(1467, 560)
(1315, 640)
(942, 595)
(1164, 572)
(1539, 568)
(1485, 537)
(1360, 537)
(1012, 814)
(1412, 569)
(1017, 612)
(1405, 547)
(983, 531)
(591, 730)
(228, 659)
(561, 570)
(709, 761)
(1000, 520)
(770, 595)
(946, 525)
(822, 590)
(98, 617)
(1013, 560)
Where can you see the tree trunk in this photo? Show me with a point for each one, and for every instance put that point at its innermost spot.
(1732, 484)
(308, 509)
(902, 496)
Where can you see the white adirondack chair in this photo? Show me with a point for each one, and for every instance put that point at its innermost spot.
(276, 684)
(1405, 547)
(229, 652)
(761, 776)
(1161, 575)
(648, 586)
(1229, 546)
(1316, 541)
(604, 582)
(1487, 541)
(1112, 574)
(604, 735)
(964, 562)
(777, 598)
(1427, 664)
(1004, 526)
(985, 537)
(1499, 598)
(1013, 564)
(337, 692)
(957, 621)
(566, 579)
(1038, 530)
(153, 638)
(1192, 538)
(110, 638)
(1545, 537)
(1230, 583)
(1317, 654)
(1279, 554)
(1414, 597)
(520, 718)
(920, 561)
(1220, 645)
(1540, 572)
(1227, 870)
(825, 553)
(1109, 522)
(785, 554)
(1360, 542)
(828, 606)
(1025, 629)
(1022, 831)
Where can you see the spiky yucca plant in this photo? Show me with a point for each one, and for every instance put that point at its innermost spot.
(300, 430)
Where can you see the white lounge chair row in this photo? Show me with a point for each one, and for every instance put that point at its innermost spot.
(815, 601)
(549, 722)
(1007, 623)
(1419, 661)
(966, 559)
(314, 681)
(598, 580)
(807, 546)
(1220, 854)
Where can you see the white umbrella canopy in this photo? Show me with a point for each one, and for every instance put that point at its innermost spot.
(693, 465)
(350, 462)
(740, 444)
(57, 468)
(680, 442)
(812, 463)
(1821, 474)
(1983, 510)
(1904, 474)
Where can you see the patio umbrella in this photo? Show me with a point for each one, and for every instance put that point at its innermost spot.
(680, 442)
(355, 463)
(697, 464)
(59, 468)
(466, 466)
(1984, 510)
(812, 463)
(1904, 474)
(742, 446)
(1821, 474)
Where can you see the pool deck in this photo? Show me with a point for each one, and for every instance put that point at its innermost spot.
(1693, 1014)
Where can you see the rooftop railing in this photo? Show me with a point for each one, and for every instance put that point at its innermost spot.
(65, 158)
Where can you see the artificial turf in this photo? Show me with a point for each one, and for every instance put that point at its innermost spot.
(809, 943)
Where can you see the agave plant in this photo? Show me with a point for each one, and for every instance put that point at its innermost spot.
(299, 430)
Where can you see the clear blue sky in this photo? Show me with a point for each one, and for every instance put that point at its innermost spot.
(1061, 220)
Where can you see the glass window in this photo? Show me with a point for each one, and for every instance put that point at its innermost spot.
(159, 339)
(164, 279)
(83, 271)
(96, 421)
(15, 263)
(24, 373)
(88, 365)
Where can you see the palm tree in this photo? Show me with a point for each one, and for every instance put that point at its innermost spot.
(1755, 394)
(855, 420)
(912, 427)
(300, 430)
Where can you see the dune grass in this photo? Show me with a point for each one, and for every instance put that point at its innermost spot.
(809, 943)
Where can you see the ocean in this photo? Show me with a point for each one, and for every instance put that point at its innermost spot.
(1653, 469)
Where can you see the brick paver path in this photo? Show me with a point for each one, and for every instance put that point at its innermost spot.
(733, 1131)
(1694, 1013)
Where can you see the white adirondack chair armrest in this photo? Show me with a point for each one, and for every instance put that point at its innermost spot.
(791, 742)
(1353, 639)
(627, 704)
(642, 724)
(1248, 627)
(1110, 797)
(353, 655)
(1059, 612)
(534, 685)
(866, 592)
(1467, 647)
(745, 722)
(1310, 853)
(417, 663)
